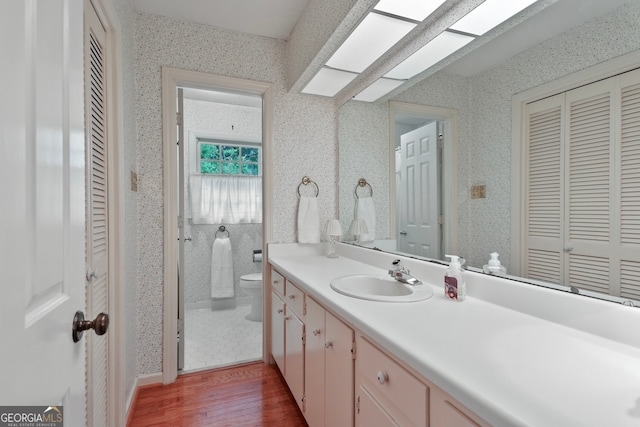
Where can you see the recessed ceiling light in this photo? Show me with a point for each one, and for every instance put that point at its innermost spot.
(430, 54)
(372, 38)
(489, 14)
(378, 89)
(328, 82)
(412, 9)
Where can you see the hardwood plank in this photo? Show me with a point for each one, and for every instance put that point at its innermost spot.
(247, 395)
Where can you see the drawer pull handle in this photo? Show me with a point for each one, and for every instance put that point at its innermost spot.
(292, 296)
(316, 332)
(287, 317)
(275, 282)
(280, 311)
(383, 377)
(328, 344)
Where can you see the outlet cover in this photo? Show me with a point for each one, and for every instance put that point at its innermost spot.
(478, 192)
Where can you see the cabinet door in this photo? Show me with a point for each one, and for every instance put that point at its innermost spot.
(402, 395)
(294, 356)
(338, 372)
(277, 331)
(370, 413)
(446, 412)
(314, 364)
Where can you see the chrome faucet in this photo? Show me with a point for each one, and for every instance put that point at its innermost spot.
(401, 274)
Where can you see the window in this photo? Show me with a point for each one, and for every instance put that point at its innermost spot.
(223, 158)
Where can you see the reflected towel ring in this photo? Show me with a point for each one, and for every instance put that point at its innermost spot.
(362, 183)
(306, 181)
(222, 229)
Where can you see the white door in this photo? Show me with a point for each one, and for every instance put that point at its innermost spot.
(42, 179)
(419, 228)
(97, 210)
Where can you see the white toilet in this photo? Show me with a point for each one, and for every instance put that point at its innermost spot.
(252, 285)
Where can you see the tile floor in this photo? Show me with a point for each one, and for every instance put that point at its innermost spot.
(220, 338)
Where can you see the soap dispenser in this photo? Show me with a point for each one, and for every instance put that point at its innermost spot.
(494, 266)
(454, 285)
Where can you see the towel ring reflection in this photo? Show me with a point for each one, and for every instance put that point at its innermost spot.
(222, 229)
(362, 183)
(306, 181)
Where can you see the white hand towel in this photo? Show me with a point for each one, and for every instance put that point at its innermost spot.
(365, 210)
(221, 269)
(308, 220)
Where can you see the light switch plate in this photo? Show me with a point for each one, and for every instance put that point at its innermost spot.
(134, 181)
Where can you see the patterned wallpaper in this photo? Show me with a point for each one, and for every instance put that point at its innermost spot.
(364, 140)
(305, 143)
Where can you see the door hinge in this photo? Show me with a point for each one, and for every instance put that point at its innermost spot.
(441, 143)
(180, 224)
(440, 219)
(180, 328)
(304, 338)
(179, 119)
(353, 350)
(304, 403)
(358, 404)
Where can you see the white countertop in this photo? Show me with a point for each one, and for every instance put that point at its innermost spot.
(509, 367)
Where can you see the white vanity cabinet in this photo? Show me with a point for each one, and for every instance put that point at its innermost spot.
(386, 394)
(287, 333)
(328, 368)
(389, 395)
(314, 351)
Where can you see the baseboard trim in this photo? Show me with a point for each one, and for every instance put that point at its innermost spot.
(218, 304)
(139, 382)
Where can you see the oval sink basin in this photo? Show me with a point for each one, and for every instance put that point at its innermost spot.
(380, 288)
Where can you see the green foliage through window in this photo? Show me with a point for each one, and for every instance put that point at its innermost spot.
(219, 159)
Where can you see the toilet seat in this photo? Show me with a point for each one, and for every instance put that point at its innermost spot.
(251, 277)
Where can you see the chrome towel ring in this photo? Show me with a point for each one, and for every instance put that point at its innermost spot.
(222, 229)
(362, 183)
(307, 181)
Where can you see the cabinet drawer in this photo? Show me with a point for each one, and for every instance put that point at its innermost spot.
(277, 283)
(399, 392)
(294, 298)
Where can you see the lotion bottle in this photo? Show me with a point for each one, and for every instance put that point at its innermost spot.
(454, 285)
(494, 266)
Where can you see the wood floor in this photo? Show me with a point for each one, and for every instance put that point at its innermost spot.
(248, 395)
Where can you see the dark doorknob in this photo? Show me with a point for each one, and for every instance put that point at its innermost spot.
(100, 324)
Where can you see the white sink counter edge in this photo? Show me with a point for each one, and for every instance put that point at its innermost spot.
(514, 354)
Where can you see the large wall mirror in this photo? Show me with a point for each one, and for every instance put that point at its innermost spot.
(477, 98)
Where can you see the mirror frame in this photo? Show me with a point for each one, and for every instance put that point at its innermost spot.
(449, 175)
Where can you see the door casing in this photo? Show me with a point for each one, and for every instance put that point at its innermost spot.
(172, 79)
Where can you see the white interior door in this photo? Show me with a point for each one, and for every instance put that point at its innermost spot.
(419, 228)
(42, 171)
(97, 211)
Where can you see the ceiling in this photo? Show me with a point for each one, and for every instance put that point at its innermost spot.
(277, 18)
(268, 18)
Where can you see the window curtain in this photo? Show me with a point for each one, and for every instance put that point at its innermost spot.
(225, 199)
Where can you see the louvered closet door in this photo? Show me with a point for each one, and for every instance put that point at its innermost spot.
(97, 245)
(544, 233)
(630, 186)
(590, 173)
